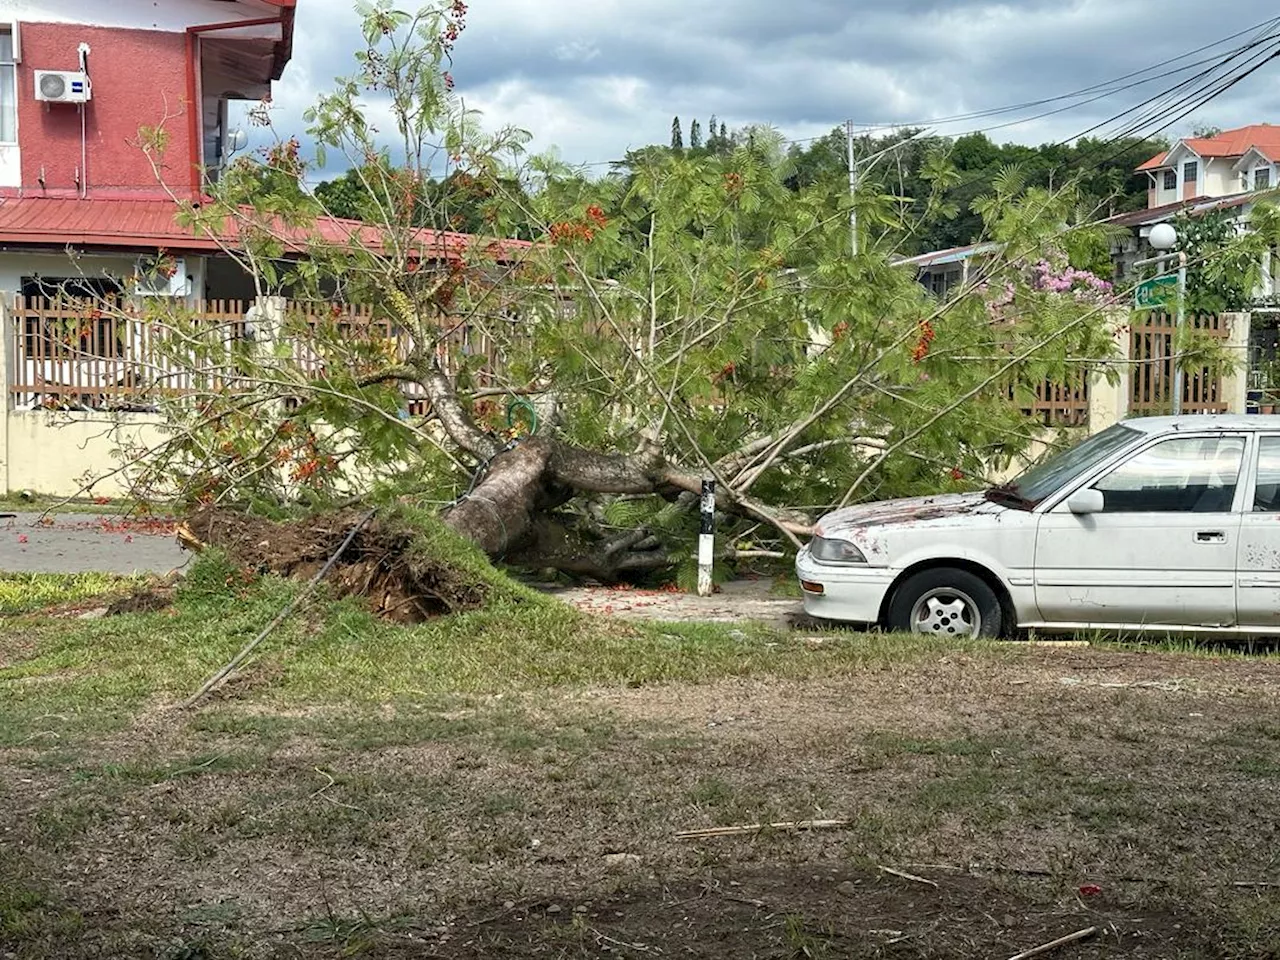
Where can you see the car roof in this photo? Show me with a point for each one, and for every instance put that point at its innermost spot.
(1205, 421)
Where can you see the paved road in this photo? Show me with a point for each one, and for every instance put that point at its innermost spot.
(85, 542)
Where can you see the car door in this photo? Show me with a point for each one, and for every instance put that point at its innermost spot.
(1258, 551)
(1162, 551)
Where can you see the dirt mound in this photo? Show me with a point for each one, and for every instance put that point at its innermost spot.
(389, 562)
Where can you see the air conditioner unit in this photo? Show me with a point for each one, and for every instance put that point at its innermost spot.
(62, 86)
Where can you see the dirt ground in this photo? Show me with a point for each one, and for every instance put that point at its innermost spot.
(1030, 795)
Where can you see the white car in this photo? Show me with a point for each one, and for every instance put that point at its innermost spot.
(1160, 523)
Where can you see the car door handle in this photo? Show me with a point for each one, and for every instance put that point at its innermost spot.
(1210, 536)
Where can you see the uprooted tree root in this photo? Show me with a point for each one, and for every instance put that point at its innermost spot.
(387, 561)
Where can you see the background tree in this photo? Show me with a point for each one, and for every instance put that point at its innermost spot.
(677, 134)
(695, 135)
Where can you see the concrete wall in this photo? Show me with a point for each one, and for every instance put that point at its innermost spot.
(139, 79)
(54, 452)
(1218, 179)
(59, 453)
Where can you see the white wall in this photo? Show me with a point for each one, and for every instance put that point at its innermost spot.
(1164, 196)
(14, 266)
(56, 453)
(1218, 179)
(167, 15)
(10, 165)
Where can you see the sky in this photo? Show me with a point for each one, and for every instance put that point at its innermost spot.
(593, 78)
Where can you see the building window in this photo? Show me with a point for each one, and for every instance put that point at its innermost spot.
(8, 87)
(1262, 178)
(1190, 172)
(1171, 179)
(64, 319)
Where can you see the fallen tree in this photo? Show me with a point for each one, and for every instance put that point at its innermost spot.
(562, 397)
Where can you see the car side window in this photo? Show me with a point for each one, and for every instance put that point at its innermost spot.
(1181, 475)
(1266, 491)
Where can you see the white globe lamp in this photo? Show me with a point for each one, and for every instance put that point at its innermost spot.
(1163, 236)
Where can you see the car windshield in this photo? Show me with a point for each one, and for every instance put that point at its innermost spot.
(1049, 475)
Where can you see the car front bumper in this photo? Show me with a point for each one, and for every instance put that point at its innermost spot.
(850, 592)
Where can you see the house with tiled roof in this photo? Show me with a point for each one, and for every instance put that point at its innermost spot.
(1234, 161)
(88, 218)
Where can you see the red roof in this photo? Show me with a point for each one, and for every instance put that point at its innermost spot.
(1230, 143)
(151, 224)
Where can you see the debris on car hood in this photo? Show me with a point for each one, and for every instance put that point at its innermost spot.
(906, 512)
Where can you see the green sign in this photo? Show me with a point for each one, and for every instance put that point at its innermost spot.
(1155, 293)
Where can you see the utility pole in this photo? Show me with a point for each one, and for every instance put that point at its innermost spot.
(1178, 325)
(1163, 238)
(853, 188)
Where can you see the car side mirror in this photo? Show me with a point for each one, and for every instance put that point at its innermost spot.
(1085, 502)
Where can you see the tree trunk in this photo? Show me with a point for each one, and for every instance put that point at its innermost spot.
(498, 513)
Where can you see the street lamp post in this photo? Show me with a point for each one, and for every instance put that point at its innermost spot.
(1164, 238)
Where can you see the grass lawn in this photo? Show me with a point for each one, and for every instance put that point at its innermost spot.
(510, 782)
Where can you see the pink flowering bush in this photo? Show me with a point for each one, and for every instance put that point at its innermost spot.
(1053, 275)
(1081, 284)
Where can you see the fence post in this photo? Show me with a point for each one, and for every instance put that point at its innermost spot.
(268, 318)
(6, 400)
(1109, 403)
(1235, 383)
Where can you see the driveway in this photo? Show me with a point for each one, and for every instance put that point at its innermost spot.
(85, 542)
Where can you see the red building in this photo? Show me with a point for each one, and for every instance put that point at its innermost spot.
(77, 82)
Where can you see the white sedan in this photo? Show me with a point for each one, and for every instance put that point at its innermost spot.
(1161, 523)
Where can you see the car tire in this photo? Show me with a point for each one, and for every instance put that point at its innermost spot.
(946, 602)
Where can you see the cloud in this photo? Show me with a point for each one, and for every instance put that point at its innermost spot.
(596, 77)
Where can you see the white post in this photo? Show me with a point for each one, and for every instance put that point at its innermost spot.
(707, 538)
(7, 360)
(1109, 403)
(1235, 384)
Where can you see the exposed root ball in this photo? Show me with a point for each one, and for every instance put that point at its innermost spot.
(385, 563)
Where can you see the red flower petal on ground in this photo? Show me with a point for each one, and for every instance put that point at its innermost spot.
(22, 538)
(1090, 890)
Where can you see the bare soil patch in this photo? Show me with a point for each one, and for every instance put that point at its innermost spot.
(1135, 799)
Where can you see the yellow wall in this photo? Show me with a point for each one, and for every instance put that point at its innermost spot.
(51, 453)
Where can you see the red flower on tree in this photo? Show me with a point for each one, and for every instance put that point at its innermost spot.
(596, 214)
(927, 336)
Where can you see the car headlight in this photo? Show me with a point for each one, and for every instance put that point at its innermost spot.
(826, 550)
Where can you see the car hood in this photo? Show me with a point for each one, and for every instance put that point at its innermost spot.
(932, 511)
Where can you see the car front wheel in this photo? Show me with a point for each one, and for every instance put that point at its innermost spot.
(945, 602)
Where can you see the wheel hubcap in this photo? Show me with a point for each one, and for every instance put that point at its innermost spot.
(946, 612)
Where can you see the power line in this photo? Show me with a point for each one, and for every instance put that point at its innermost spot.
(1158, 99)
(979, 114)
(1101, 90)
(1192, 101)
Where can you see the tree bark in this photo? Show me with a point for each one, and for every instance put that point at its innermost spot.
(506, 511)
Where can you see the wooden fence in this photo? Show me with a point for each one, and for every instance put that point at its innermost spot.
(1151, 359)
(67, 354)
(108, 355)
(1062, 404)
(105, 354)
